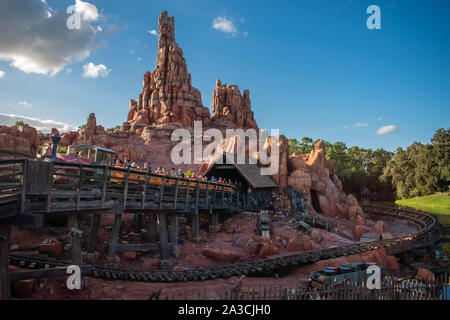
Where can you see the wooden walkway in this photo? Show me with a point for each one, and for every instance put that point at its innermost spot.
(37, 187)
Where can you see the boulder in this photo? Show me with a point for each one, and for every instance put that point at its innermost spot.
(218, 254)
(425, 274)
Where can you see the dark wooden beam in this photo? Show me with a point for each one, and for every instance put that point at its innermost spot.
(5, 284)
(163, 239)
(46, 273)
(114, 237)
(142, 247)
(94, 233)
(75, 239)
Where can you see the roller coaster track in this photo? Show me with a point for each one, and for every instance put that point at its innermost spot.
(428, 232)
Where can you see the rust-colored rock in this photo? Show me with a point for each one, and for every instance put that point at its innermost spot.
(129, 255)
(425, 274)
(230, 108)
(218, 254)
(167, 95)
(267, 248)
(22, 139)
(53, 249)
(24, 288)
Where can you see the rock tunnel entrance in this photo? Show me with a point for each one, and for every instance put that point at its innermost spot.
(315, 201)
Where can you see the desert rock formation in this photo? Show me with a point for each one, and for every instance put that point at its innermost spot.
(22, 139)
(167, 95)
(231, 109)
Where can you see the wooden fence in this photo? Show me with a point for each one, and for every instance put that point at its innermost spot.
(391, 289)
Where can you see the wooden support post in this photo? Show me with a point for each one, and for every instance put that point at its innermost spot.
(195, 223)
(174, 228)
(175, 199)
(163, 239)
(214, 196)
(207, 196)
(188, 190)
(24, 184)
(104, 187)
(5, 283)
(114, 238)
(144, 192)
(137, 223)
(94, 233)
(80, 179)
(161, 192)
(222, 204)
(75, 239)
(215, 218)
(152, 227)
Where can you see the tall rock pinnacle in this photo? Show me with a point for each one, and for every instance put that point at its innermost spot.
(168, 95)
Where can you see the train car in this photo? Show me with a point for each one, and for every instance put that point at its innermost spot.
(351, 272)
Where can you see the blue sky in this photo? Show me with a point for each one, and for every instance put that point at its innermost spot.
(313, 68)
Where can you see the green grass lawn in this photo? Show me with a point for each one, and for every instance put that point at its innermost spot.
(435, 204)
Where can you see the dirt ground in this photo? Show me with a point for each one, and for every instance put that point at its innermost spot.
(189, 255)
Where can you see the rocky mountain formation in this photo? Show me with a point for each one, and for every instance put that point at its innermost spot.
(169, 101)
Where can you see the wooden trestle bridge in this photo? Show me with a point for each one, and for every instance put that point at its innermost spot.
(37, 187)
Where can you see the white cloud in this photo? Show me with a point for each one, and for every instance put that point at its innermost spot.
(359, 125)
(379, 118)
(25, 104)
(41, 125)
(132, 51)
(35, 39)
(94, 71)
(68, 70)
(387, 129)
(139, 59)
(225, 25)
(153, 32)
(87, 10)
(344, 127)
(2, 74)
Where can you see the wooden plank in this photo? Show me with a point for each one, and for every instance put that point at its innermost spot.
(125, 191)
(80, 179)
(152, 227)
(163, 240)
(187, 194)
(195, 223)
(174, 228)
(94, 233)
(175, 198)
(197, 194)
(5, 284)
(144, 192)
(104, 187)
(114, 237)
(24, 183)
(75, 239)
(59, 272)
(137, 222)
(161, 192)
(142, 247)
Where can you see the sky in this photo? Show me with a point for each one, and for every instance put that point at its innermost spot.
(313, 68)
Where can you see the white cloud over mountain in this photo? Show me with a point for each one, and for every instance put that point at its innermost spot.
(35, 38)
(40, 124)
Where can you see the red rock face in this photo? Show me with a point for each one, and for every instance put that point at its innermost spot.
(23, 139)
(168, 95)
(231, 109)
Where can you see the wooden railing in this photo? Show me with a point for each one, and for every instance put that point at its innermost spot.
(45, 187)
